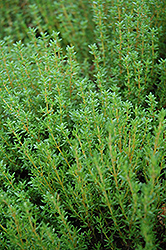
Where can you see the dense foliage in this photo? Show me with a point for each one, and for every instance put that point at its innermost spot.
(82, 124)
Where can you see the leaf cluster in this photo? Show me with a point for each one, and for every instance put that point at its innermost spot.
(82, 125)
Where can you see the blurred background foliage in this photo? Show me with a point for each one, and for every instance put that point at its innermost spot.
(118, 28)
(73, 19)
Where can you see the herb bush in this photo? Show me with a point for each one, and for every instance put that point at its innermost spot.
(82, 125)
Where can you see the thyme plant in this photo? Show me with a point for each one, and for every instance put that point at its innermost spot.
(82, 126)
